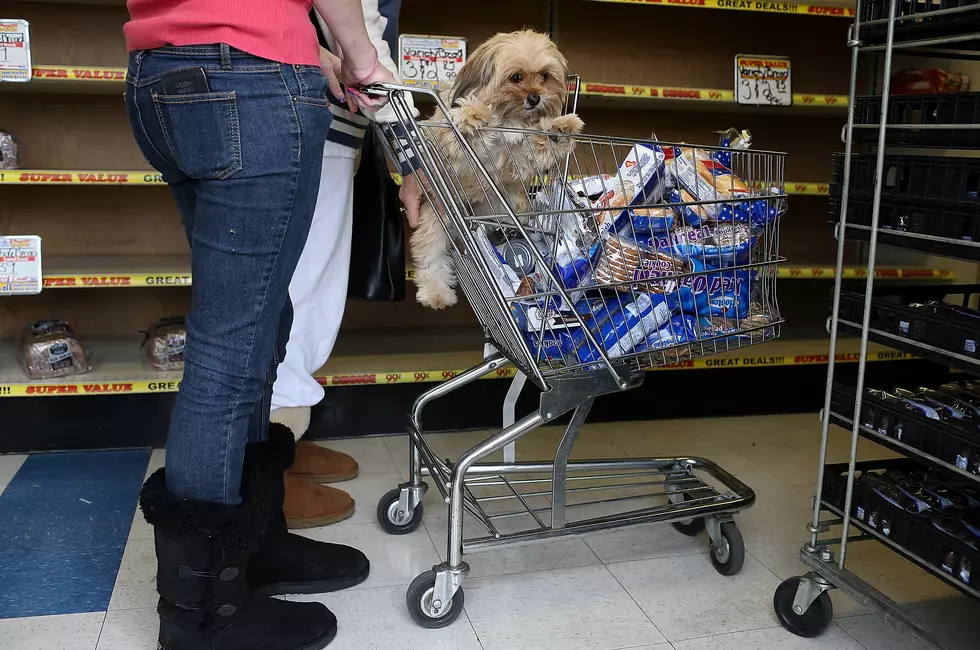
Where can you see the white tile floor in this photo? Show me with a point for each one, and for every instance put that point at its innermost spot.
(640, 588)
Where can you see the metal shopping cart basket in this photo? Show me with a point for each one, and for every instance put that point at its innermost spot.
(584, 275)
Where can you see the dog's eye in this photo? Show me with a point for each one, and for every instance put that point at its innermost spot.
(544, 76)
(517, 77)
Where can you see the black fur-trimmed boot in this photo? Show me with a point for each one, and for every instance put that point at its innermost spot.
(287, 563)
(203, 552)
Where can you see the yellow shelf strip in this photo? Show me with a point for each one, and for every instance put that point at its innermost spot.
(790, 8)
(94, 279)
(53, 74)
(777, 354)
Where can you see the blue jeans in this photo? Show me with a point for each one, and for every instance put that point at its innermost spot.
(243, 163)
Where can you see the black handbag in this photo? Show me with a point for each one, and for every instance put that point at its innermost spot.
(377, 261)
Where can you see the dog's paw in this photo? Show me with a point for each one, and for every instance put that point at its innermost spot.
(436, 297)
(471, 115)
(570, 123)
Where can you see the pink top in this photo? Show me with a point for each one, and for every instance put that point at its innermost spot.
(279, 30)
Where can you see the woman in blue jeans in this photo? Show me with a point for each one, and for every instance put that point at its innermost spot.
(228, 101)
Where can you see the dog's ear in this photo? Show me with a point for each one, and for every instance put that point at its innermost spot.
(477, 72)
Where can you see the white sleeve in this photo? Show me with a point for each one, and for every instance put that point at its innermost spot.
(376, 24)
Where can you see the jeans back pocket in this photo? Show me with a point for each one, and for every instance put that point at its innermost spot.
(202, 132)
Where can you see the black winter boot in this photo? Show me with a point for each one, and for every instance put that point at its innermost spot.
(203, 552)
(287, 563)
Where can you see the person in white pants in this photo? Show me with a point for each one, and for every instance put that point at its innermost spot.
(318, 292)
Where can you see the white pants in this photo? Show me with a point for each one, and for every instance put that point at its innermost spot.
(318, 289)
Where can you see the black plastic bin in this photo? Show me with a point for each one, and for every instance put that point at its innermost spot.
(940, 440)
(913, 326)
(945, 109)
(923, 21)
(912, 532)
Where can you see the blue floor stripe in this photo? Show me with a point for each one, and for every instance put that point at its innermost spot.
(64, 522)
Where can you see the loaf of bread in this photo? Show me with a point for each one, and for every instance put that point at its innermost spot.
(11, 151)
(163, 344)
(52, 349)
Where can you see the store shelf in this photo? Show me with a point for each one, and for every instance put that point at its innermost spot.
(85, 177)
(71, 79)
(928, 566)
(932, 442)
(380, 357)
(918, 331)
(102, 272)
(752, 6)
(635, 96)
(53, 78)
(121, 272)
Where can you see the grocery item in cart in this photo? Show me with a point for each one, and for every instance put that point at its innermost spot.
(50, 348)
(652, 221)
(640, 181)
(163, 344)
(619, 324)
(706, 179)
(626, 260)
(710, 247)
(723, 294)
(702, 177)
(731, 139)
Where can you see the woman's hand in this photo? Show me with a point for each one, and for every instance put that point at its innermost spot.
(412, 196)
(332, 68)
(355, 76)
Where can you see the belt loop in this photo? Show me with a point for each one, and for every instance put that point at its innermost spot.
(225, 56)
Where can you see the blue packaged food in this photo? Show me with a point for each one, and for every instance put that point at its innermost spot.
(714, 246)
(680, 329)
(618, 324)
(559, 347)
(723, 294)
(657, 219)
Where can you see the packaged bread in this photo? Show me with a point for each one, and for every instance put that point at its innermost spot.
(52, 349)
(705, 179)
(163, 344)
(11, 151)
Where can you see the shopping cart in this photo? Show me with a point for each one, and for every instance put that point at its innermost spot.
(569, 290)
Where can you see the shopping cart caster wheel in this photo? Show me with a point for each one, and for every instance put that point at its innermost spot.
(728, 554)
(809, 624)
(691, 527)
(423, 610)
(392, 521)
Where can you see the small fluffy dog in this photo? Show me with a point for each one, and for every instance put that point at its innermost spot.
(515, 80)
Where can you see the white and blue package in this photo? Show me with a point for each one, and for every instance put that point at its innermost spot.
(559, 347)
(640, 181)
(619, 325)
(715, 246)
(731, 139)
(577, 248)
(680, 329)
(722, 294)
(657, 219)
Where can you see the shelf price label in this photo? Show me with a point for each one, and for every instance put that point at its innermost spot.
(763, 80)
(20, 265)
(15, 50)
(430, 61)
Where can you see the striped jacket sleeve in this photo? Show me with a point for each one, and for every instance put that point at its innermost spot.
(347, 128)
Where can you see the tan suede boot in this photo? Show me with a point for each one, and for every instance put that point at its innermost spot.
(309, 504)
(321, 464)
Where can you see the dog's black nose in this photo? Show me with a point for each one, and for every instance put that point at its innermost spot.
(532, 100)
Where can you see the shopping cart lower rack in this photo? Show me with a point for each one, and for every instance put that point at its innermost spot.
(583, 293)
